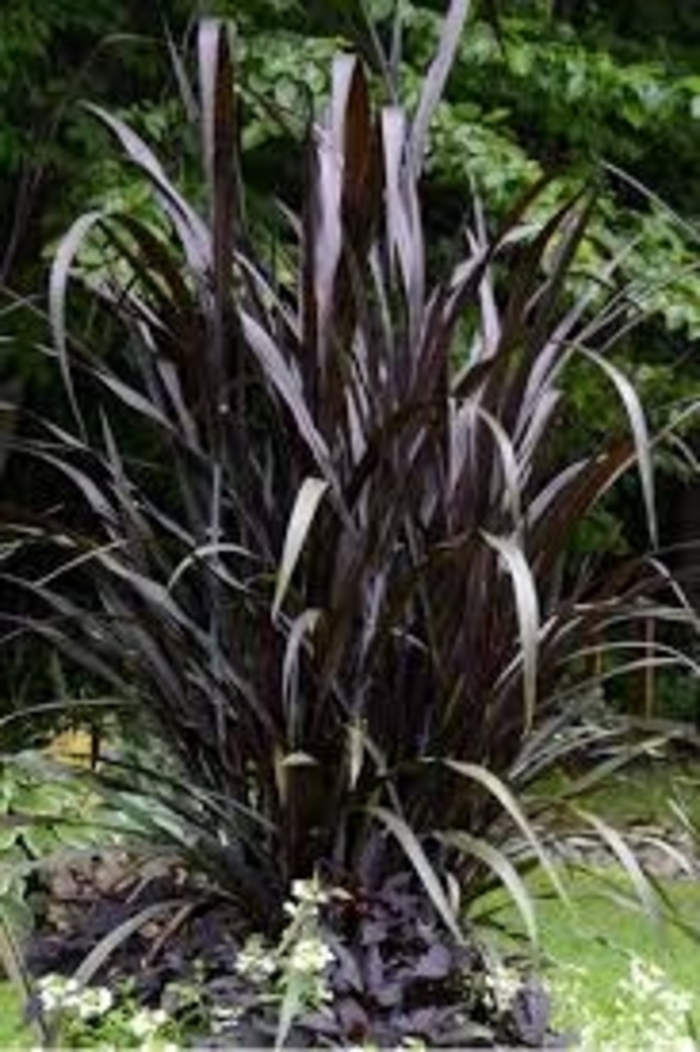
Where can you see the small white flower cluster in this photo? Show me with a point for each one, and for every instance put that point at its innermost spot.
(310, 892)
(69, 1005)
(304, 956)
(647, 993)
(307, 896)
(310, 954)
(256, 961)
(223, 1018)
(146, 1023)
(503, 984)
(301, 948)
(646, 981)
(60, 995)
(300, 958)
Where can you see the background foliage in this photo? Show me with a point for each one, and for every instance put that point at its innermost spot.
(538, 87)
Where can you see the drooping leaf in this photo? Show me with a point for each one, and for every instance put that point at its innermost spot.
(421, 864)
(300, 521)
(506, 872)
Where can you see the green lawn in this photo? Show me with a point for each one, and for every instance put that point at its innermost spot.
(644, 792)
(589, 946)
(601, 935)
(13, 1034)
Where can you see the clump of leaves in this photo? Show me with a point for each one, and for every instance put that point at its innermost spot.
(351, 968)
(398, 972)
(331, 566)
(40, 819)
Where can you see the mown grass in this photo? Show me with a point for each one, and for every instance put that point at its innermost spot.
(597, 937)
(644, 792)
(640, 793)
(14, 1033)
(600, 935)
(588, 945)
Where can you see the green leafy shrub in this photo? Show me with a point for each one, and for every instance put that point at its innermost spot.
(45, 814)
(337, 577)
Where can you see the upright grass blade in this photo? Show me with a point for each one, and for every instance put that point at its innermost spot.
(527, 612)
(100, 954)
(60, 272)
(498, 789)
(10, 397)
(641, 437)
(627, 859)
(434, 84)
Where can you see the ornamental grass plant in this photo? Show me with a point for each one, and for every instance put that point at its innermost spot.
(318, 538)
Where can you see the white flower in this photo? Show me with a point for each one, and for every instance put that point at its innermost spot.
(94, 1002)
(256, 961)
(147, 1021)
(504, 983)
(50, 1000)
(226, 1013)
(309, 891)
(310, 955)
(57, 993)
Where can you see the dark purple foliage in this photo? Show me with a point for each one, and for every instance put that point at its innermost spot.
(337, 579)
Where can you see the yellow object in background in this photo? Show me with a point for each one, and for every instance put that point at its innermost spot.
(76, 746)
